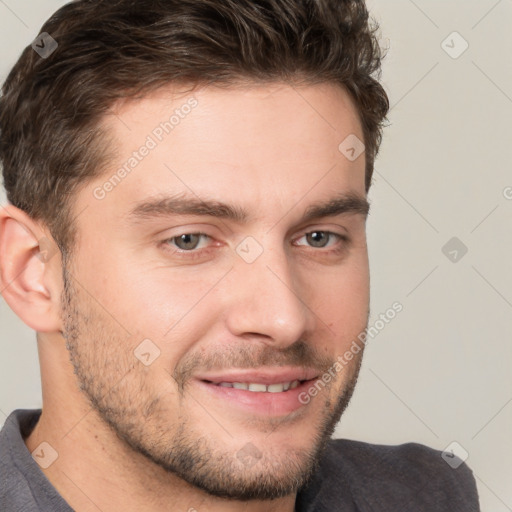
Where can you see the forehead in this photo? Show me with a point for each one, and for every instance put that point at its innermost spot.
(265, 145)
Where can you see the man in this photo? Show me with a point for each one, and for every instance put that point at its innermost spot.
(188, 186)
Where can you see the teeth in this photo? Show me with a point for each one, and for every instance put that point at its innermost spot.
(278, 388)
(257, 387)
(261, 388)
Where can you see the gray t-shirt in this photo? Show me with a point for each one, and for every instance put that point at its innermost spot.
(352, 477)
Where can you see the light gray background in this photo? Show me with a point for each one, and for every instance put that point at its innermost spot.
(440, 371)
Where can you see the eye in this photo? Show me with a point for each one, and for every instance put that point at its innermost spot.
(187, 241)
(322, 239)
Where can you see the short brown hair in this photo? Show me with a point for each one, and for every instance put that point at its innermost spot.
(50, 108)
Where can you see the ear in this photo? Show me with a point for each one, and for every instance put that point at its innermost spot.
(30, 270)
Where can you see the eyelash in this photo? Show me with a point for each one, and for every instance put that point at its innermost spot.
(196, 253)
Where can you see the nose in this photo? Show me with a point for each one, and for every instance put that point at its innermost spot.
(267, 301)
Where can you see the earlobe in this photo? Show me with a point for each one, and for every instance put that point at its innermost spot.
(27, 279)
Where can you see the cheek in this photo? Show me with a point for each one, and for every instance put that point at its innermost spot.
(172, 307)
(341, 300)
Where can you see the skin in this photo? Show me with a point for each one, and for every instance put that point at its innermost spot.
(124, 431)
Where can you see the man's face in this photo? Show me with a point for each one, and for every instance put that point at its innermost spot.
(161, 305)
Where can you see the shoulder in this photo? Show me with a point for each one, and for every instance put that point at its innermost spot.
(412, 461)
(15, 492)
(402, 477)
(23, 486)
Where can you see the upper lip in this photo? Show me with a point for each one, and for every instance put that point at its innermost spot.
(265, 376)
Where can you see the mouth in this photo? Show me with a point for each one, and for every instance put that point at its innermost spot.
(262, 394)
(258, 387)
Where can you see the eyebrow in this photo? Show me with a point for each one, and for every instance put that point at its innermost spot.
(165, 206)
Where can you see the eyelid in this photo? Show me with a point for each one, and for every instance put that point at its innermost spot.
(341, 237)
(343, 240)
(199, 233)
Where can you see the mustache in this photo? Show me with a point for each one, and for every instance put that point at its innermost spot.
(300, 354)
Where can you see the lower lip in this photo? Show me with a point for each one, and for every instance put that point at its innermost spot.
(264, 403)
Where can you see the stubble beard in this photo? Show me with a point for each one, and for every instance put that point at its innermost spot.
(117, 390)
